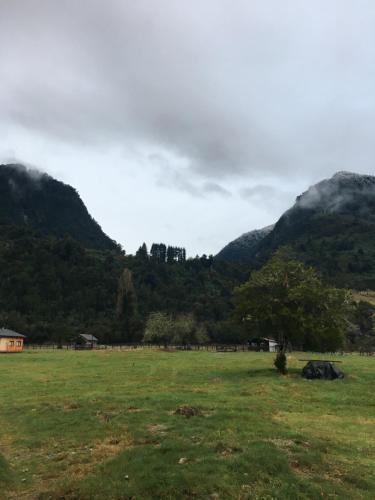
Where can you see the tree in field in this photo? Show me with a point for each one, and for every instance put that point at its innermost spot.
(161, 328)
(287, 300)
(186, 330)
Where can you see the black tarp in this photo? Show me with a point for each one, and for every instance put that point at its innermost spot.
(321, 369)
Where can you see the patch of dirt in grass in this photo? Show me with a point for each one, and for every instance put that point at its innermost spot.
(157, 428)
(332, 474)
(260, 390)
(225, 451)
(364, 421)
(74, 463)
(188, 411)
(300, 470)
(107, 416)
(109, 447)
(197, 440)
(133, 409)
(72, 406)
(283, 444)
(287, 444)
(228, 452)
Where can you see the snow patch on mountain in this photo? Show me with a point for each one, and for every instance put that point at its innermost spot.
(242, 246)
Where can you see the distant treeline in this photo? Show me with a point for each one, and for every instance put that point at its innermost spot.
(52, 288)
(162, 253)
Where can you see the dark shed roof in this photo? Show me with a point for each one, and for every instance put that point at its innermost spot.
(89, 338)
(10, 334)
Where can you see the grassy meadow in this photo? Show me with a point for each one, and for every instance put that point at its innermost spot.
(101, 425)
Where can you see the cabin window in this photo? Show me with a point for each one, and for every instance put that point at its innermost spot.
(19, 343)
(11, 343)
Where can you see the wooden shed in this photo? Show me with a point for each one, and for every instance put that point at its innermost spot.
(85, 341)
(11, 341)
(264, 344)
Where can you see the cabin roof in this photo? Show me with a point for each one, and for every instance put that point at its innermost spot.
(268, 339)
(88, 337)
(4, 332)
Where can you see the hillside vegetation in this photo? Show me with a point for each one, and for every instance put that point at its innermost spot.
(53, 288)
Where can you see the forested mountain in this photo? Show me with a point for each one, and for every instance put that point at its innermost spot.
(53, 288)
(330, 227)
(60, 274)
(34, 200)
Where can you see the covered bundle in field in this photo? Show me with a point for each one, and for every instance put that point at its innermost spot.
(322, 370)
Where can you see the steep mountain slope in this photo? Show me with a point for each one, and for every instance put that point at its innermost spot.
(59, 273)
(331, 227)
(33, 200)
(241, 247)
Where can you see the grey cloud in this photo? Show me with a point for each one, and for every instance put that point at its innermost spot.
(169, 177)
(181, 179)
(189, 97)
(212, 187)
(269, 196)
(259, 191)
(233, 90)
(332, 194)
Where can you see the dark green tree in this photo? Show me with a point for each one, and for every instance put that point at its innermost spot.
(288, 301)
(127, 307)
(171, 252)
(142, 252)
(158, 252)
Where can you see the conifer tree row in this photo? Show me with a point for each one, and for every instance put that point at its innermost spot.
(162, 253)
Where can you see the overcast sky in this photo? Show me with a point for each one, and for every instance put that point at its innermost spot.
(191, 122)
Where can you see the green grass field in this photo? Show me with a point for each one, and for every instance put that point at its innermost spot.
(101, 425)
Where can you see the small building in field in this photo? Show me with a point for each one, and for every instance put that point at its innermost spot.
(86, 341)
(11, 341)
(272, 344)
(264, 344)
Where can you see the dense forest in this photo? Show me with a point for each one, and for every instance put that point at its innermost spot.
(52, 288)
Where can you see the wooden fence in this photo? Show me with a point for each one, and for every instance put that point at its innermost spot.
(191, 347)
(120, 347)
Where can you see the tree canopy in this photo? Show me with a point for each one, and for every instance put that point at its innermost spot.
(288, 301)
(162, 328)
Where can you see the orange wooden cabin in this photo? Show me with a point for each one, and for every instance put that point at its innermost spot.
(11, 341)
